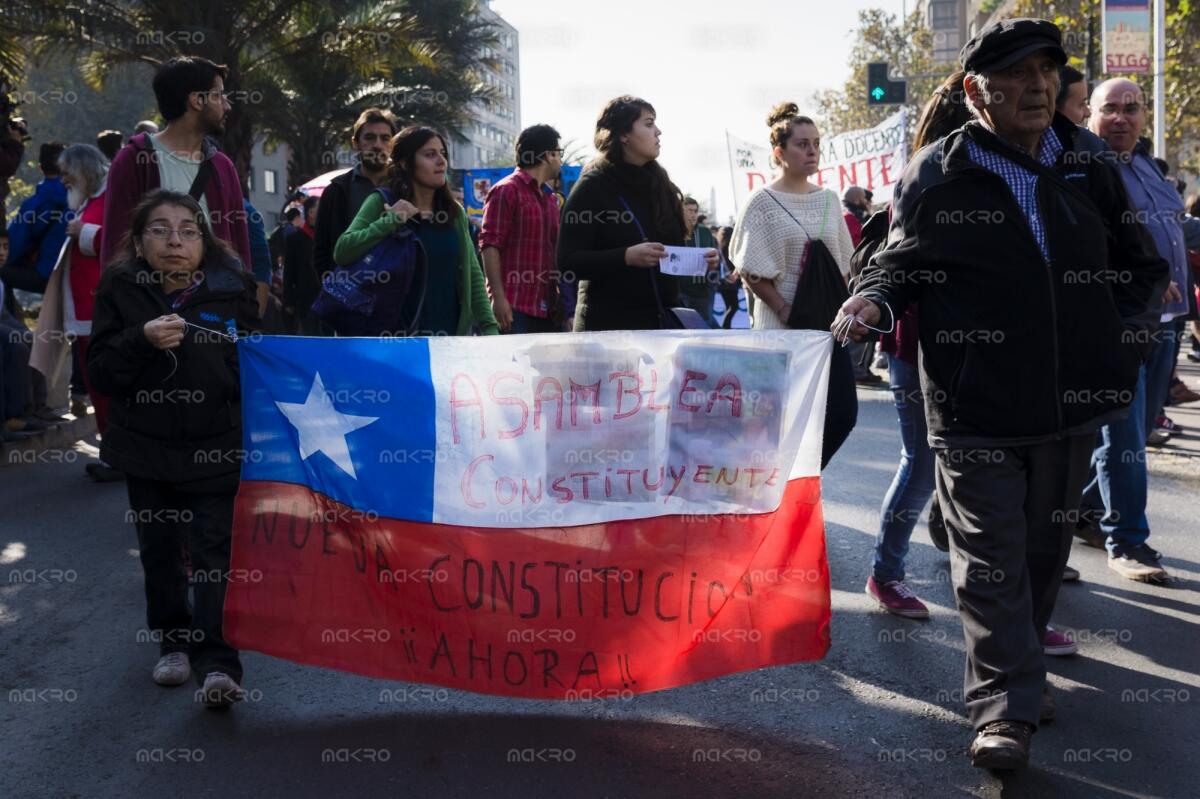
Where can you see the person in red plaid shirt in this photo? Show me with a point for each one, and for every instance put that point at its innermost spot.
(519, 236)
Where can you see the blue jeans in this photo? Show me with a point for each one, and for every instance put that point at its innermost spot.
(913, 484)
(1159, 365)
(1117, 488)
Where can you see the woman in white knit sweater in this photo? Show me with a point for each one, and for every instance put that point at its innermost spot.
(768, 248)
(773, 227)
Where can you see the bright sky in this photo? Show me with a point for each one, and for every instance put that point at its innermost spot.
(705, 65)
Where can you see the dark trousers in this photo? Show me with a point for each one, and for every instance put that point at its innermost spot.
(78, 368)
(25, 278)
(729, 296)
(1008, 512)
(303, 325)
(525, 323)
(14, 369)
(841, 404)
(168, 518)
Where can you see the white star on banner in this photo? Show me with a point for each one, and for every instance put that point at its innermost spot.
(322, 427)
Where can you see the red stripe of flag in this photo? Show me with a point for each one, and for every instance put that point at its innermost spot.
(554, 612)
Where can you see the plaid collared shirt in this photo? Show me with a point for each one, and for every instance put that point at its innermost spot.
(1020, 180)
(520, 219)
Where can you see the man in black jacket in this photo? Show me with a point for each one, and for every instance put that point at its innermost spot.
(300, 282)
(341, 199)
(1035, 287)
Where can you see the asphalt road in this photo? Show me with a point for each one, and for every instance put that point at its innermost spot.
(880, 716)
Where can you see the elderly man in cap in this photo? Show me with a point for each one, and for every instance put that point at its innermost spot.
(1034, 286)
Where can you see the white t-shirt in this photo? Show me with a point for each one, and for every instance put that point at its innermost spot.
(177, 174)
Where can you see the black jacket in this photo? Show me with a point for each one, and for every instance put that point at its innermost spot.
(1015, 349)
(300, 282)
(177, 423)
(594, 233)
(340, 201)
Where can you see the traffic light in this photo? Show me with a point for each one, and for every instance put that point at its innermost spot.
(882, 90)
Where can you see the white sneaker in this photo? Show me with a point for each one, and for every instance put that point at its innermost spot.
(172, 669)
(220, 690)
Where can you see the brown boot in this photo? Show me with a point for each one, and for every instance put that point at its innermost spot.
(1002, 745)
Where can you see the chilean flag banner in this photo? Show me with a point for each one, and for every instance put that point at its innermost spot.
(562, 516)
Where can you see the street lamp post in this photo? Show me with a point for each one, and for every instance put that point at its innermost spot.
(1160, 59)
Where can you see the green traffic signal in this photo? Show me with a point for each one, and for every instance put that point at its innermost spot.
(881, 89)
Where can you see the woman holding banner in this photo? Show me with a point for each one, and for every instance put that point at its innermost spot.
(617, 222)
(167, 317)
(770, 240)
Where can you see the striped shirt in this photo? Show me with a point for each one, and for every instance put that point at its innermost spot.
(1021, 181)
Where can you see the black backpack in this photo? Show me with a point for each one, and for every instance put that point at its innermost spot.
(874, 235)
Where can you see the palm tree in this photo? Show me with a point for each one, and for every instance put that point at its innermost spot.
(424, 69)
(297, 68)
(12, 68)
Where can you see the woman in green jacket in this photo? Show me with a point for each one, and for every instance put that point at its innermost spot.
(455, 299)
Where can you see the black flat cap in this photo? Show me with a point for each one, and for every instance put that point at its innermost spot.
(1005, 42)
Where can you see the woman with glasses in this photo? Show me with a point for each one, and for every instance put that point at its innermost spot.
(167, 316)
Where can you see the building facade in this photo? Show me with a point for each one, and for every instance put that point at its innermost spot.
(981, 12)
(490, 135)
(268, 180)
(954, 22)
(948, 21)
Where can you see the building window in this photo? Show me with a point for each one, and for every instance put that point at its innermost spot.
(943, 15)
(269, 181)
(946, 47)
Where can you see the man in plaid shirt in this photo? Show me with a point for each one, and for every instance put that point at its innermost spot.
(519, 235)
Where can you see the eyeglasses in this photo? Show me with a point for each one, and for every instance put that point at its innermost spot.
(1129, 109)
(187, 234)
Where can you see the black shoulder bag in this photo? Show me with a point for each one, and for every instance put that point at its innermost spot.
(820, 291)
(200, 182)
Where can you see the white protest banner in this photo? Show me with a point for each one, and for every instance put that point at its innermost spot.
(873, 158)
(749, 167)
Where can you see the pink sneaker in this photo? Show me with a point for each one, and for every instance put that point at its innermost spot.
(1058, 644)
(896, 597)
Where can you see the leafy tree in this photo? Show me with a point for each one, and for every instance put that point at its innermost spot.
(298, 69)
(1080, 23)
(425, 69)
(907, 46)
